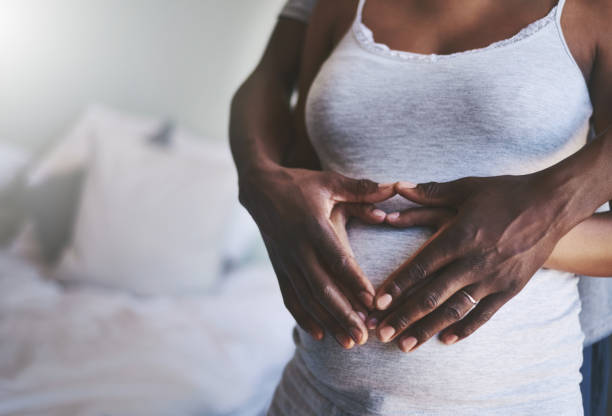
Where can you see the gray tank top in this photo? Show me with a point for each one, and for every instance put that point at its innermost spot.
(514, 107)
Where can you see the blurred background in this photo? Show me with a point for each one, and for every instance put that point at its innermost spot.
(131, 280)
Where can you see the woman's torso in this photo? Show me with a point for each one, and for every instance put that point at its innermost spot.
(515, 107)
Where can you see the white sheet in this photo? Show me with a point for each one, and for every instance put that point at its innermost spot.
(88, 352)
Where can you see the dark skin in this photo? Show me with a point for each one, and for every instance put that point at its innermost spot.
(298, 209)
(484, 217)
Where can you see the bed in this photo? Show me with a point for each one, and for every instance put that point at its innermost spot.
(81, 337)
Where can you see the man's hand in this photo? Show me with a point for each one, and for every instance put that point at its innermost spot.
(503, 231)
(300, 214)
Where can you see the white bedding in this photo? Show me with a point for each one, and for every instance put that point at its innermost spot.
(82, 351)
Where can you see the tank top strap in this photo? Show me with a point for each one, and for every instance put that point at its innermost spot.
(560, 5)
(561, 35)
(359, 14)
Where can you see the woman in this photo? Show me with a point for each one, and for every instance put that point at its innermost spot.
(479, 106)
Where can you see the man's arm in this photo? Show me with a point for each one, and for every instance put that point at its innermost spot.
(321, 283)
(261, 124)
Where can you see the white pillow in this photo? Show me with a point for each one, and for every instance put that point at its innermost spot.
(72, 151)
(151, 218)
(12, 160)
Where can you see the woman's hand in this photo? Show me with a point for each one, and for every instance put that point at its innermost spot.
(503, 231)
(297, 213)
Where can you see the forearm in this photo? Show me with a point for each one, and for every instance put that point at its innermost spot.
(580, 184)
(586, 249)
(261, 122)
(260, 125)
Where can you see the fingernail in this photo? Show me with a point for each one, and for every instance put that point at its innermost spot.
(386, 333)
(362, 316)
(408, 185)
(345, 341)
(386, 185)
(366, 298)
(379, 213)
(356, 334)
(372, 322)
(408, 343)
(316, 334)
(383, 301)
(393, 216)
(451, 339)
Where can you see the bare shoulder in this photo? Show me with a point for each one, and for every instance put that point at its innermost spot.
(334, 17)
(345, 15)
(596, 16)
(329, 19)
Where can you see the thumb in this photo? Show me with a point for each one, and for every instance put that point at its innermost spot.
(436, 194)
(361, 190)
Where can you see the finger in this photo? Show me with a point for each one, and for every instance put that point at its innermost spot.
(334, 328)
(420, 217)
(367, 213)
(374, 318)
(329, 295)
(294, 306)
(338, 258)
(360, 190)
(425, 300)
(290, 298)
(443, 247)
(358, 307)
(453, 310)
(309, 303)
(436, 193)
(480, 315)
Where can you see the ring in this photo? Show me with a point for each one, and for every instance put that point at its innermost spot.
(470, 298)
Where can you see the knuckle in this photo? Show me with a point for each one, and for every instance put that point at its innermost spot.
(340, 264)
(431, 300)
(324, 293)
(429, 189)
(467, 232)
(476, 262)
(394, 288)
(365, 186)
(466, 331)
(482, 318)
(328, 292)
(417, 272)
(422, 333)
(401, 322)
(452, 312)
(513, 286)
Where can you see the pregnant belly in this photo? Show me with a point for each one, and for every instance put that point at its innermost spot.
(492, 367)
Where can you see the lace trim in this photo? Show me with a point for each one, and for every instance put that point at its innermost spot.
(365, 36)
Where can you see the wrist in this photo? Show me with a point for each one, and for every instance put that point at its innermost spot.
(257, 168)
(257, 177)
(586, 175)
(568, 195)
